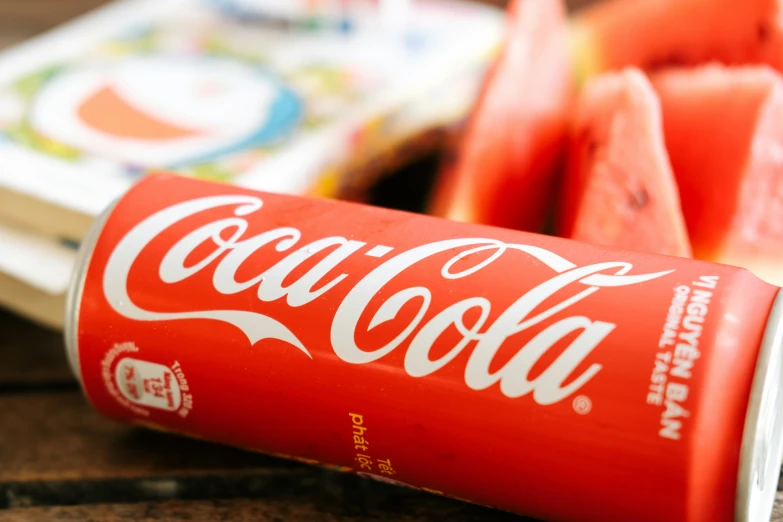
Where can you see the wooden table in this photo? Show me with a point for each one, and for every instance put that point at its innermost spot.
(61, 461)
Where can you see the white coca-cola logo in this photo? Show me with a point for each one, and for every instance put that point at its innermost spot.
(513, 378)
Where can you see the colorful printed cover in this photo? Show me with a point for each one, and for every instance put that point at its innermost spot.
(149, 84)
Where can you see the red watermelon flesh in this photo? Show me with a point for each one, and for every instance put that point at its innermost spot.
(619, 189)
(650, 34)
(507, 159)
(724, 132)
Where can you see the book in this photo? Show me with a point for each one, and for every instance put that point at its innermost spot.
(35, 272)
(35, 269)
(143, 85)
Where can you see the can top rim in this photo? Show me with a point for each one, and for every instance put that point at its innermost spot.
(761, 455)
(76, 287)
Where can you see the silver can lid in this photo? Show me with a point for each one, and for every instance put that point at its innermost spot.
(761, 454)
(73, 299)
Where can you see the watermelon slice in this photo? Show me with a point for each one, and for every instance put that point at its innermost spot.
(506, 163)
(649, 34)
(619, 188)
(724, 132)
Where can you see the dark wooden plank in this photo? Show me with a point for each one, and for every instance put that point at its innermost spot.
(56, 451)
(30, 355)
(397, 506)
(58, 436)
(393, 505)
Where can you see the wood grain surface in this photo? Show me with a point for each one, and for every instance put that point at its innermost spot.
(401, 507)
(60, 461)
(31, 356)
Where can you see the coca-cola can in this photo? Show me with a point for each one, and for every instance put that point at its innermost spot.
(555, 379)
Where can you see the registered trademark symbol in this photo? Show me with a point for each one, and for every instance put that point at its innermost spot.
(582, 405)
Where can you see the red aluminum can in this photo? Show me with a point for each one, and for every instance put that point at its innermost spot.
(539, 375)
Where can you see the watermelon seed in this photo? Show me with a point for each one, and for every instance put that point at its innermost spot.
(762, 32)
(639, 199)
(675, 59)
(585, 135)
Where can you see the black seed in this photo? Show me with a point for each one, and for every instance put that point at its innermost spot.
(585, 136)
(762, 32)
(677, 59)
(638, 199)
(674, 59)
(656, 63)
